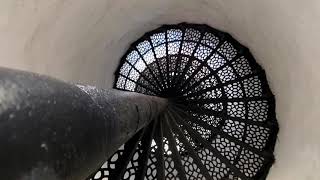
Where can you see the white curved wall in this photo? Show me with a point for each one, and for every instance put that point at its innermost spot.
(82, 41)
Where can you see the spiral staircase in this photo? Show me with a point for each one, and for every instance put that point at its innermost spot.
(220, 122)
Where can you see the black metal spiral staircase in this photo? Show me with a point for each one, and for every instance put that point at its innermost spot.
(220, 122)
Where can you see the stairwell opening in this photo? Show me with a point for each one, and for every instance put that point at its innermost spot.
(221, 121)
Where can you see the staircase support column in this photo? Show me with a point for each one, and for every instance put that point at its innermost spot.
(53, 130)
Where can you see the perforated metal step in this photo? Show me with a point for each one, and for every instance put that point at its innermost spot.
(220, 123)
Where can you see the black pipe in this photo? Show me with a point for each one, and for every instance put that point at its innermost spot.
(52, 130)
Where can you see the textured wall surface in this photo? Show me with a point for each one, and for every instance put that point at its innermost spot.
(82, 41)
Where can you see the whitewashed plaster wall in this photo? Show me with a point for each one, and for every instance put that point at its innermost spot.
(82, 41)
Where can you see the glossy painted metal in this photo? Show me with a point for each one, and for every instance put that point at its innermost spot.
(54, 130)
